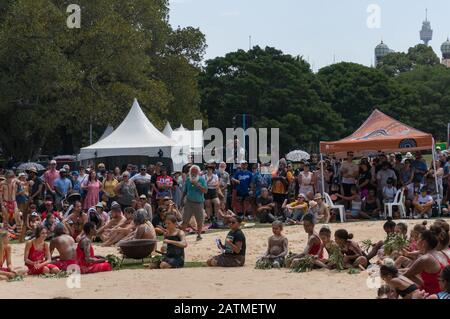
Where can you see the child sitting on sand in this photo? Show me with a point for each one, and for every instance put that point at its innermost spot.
(9, 271)
(277, 247)
(314, 247)
(409, 254)
(389, 228)
(402, 286)
(328, 244)
(353, 255)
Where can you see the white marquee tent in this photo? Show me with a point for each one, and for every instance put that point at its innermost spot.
(194, 139)
(109, 129)
(135, 136)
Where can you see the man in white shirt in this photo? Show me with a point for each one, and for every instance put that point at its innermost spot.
(423, 204)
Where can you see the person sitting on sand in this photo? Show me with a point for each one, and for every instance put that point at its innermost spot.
(50, 222)
(426, 269)
(143, 228)
(66, 247)
(389, 228)
(441, 229)
(265, 207)
(37, 254)
(296, 210)
(403, 286)
(314, 246)
(9, 271)
(174, 244)
(353, 255)
(329, 245)
(85, 253)
(234, 248)
(277, 247)
(158, 220)
(117, 219)
(124, 229)
(75, 221)
(411, 253)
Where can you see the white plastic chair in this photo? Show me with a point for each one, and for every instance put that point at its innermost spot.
(330, 203)
(398, 201)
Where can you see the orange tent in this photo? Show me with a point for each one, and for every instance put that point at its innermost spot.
(380, 133)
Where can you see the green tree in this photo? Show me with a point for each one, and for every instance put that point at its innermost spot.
(54, 80)
(279, 90)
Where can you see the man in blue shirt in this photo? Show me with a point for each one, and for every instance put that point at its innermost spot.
(242, 179)
(420, 167)
(63, 186)
(194, 190)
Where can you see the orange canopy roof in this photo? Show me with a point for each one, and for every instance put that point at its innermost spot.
(380, 133)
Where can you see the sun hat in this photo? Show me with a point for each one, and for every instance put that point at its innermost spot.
(318, 196)
(99, 204)
(115, 205)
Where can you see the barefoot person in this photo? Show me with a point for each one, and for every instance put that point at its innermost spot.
(37, 254)
(8, 204)
(85, 253)
(117, 219)
(403, 286)
(277, 247)
(66, 247)
(174, 244)
(9, 271)
(121, 231)
(195, 189)
(235, 246)
(353, 255)
(314, 247)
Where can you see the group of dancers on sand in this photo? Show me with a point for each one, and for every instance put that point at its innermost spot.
(419, 270)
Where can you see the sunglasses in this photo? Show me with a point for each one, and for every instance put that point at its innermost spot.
(234, 222)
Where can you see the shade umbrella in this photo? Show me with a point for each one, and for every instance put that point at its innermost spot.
(297, 156)
(27, 166)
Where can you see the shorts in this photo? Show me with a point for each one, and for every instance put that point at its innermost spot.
(228, 260)
(193, 209)
(174, 262)
(211, 194)
(354, 212)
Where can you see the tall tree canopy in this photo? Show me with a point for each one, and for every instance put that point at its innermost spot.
(277, 89)
(54, 79)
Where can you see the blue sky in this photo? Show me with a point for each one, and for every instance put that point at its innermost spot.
(320, 30)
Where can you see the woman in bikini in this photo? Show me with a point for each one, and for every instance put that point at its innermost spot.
(314, 247)
(425, 271)
(353, 255)
(85, 252)
(403, 286)
(37, 254)
(173, 245)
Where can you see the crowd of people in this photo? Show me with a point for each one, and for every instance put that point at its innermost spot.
(67, 210)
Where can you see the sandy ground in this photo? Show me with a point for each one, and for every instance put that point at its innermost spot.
(245, 282)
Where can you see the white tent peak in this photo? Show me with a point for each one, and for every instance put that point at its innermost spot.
(167, 130)
(109, 129)
(135, 132)
(181, 128)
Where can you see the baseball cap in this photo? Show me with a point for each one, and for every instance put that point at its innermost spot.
(62, 170)
(143, 196)
(75, 173)
(34, 214)
(22, 175)
(66, 167)
(115, 205)
(143, 167)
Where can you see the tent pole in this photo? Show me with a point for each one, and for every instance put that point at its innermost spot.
(438, 194)
(323, 179)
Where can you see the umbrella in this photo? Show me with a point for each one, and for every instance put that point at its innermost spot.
(27, 166)
(297, 156)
